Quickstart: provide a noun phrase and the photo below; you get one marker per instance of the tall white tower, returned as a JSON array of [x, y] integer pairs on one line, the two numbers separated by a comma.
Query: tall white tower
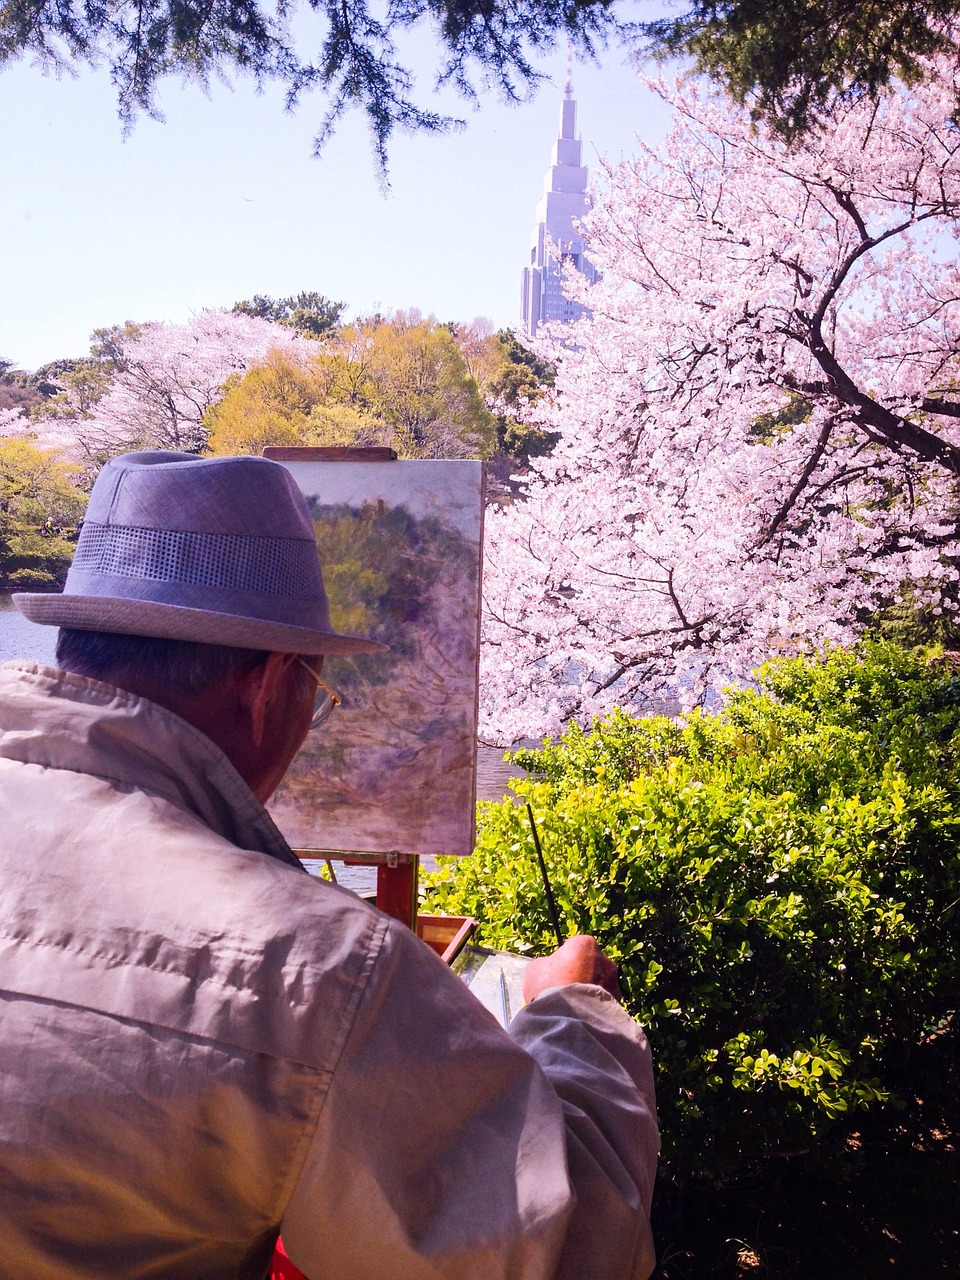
[[564, 199]]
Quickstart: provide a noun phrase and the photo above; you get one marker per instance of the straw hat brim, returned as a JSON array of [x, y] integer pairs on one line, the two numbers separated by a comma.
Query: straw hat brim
[[174, 622]]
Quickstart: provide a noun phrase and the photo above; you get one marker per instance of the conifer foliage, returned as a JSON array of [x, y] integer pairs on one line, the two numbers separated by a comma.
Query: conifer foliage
[[348, 49]]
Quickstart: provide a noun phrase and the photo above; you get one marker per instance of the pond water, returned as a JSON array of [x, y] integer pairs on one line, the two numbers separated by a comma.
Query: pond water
[[20, 638]]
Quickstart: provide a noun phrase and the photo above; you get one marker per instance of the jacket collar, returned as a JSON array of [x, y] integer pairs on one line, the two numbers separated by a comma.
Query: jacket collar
[[59, 720]]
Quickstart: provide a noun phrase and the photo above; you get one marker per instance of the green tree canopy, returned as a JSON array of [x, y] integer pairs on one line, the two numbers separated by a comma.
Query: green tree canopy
[[401, 382], [420, 384], [312, 314], [517, 383], [39, 509]]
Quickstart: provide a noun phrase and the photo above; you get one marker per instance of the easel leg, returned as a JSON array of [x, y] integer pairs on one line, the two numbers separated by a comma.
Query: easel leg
[[397, 889]]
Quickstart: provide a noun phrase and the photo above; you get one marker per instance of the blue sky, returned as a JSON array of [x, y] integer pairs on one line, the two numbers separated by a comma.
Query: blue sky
[[224, 200]]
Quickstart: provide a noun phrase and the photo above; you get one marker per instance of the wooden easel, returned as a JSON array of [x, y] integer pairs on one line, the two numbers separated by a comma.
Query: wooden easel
[[397, 873]]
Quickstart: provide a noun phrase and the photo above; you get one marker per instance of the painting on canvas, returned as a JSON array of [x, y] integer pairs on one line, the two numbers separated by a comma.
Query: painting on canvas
[[394, 768]]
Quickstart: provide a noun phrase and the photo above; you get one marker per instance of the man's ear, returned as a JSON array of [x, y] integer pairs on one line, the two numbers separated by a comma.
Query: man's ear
[[258, 688]]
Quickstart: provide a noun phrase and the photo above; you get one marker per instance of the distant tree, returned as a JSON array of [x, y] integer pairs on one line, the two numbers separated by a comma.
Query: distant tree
[[483, 45], [520, 379], [82, 387], [535, 370], [16, 389], [109, 344], [511, 378], [40, 505], [345, 425], [401, 383], [73, 387], [46, 380], [67, 390], [311, 314], [479, 347], [54, 370], [285, 402], [420, 384]]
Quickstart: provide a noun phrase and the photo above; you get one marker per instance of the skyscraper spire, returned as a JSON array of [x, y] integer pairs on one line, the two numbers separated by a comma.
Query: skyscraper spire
[[564, 199]]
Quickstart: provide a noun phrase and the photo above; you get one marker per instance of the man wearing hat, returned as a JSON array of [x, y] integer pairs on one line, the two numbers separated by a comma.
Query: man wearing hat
[[201, 1045]]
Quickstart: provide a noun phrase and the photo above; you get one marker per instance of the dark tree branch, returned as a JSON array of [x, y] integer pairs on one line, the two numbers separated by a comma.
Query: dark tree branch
[[895, 431], [946, 408], [802, 481]]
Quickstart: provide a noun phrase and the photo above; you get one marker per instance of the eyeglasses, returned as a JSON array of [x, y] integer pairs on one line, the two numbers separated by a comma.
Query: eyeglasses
[[325, 700]]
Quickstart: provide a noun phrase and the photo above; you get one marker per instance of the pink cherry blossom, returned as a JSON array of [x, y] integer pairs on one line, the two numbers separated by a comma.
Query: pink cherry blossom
[[760, 424], [169, 376], [14, 422]]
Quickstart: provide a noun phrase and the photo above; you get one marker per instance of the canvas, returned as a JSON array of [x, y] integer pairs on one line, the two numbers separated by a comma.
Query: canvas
[[394, 769]]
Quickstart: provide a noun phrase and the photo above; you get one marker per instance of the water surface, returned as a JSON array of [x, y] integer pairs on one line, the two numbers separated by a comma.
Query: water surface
[[20, 638]]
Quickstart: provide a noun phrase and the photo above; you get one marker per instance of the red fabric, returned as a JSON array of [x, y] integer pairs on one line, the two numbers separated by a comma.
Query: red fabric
[[281, 1268]]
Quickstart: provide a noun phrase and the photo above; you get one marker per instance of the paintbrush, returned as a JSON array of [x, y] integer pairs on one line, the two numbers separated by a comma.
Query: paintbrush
[[554, 914]]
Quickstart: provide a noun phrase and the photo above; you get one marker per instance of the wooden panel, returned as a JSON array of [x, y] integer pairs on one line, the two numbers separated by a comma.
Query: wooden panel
[[328, 453], [397, 890], [447, 935]]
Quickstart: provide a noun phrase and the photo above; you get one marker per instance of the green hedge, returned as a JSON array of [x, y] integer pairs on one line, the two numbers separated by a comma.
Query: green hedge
[[778, 882]]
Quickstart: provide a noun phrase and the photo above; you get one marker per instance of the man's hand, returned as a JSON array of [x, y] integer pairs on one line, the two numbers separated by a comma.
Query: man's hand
[[578, 960]]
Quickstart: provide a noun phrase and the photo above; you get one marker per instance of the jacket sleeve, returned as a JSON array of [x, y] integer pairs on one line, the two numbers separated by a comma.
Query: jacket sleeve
[[598, 1061], [441, 1150]]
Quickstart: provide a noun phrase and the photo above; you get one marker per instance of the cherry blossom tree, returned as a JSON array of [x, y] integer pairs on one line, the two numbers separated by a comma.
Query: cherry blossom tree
[[13, 421], [759, 428], [167, 376]]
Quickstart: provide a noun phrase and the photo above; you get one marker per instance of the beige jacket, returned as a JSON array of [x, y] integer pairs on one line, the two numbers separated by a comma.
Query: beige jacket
[[200, 1045]]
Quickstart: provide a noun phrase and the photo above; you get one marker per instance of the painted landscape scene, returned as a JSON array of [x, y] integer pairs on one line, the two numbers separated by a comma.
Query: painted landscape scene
[[395, 767]]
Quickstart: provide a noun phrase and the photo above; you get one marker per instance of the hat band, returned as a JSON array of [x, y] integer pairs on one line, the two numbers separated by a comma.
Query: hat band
[[268, 566]]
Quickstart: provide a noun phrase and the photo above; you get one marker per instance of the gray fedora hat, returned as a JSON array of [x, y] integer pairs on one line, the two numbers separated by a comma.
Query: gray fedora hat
[[215, 550]]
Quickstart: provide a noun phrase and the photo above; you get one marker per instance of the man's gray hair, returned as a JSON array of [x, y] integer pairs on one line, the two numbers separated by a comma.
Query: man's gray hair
[[184, 668]]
